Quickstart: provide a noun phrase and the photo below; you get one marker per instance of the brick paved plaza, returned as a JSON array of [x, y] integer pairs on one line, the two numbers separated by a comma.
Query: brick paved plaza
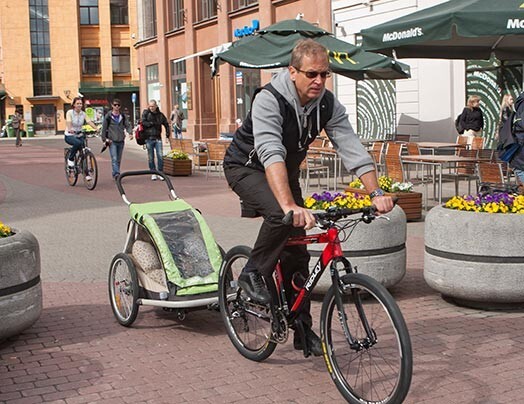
[[77, 352]]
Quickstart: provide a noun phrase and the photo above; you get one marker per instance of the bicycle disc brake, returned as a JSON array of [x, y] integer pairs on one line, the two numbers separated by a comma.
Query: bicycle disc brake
[[279, 327]]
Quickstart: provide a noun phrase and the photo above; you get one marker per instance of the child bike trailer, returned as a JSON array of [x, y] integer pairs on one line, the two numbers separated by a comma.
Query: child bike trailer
[[170, 258]]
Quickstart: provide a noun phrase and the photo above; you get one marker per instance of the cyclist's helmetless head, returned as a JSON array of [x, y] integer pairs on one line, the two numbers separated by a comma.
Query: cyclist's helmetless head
[[309, 69], [77, 103]]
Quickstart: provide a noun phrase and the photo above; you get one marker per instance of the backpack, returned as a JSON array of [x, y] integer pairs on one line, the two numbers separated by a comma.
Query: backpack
[[140, 135], [458, 126]]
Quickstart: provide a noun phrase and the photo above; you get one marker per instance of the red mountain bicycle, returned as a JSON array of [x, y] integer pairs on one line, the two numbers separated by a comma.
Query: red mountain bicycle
[[365, 340]]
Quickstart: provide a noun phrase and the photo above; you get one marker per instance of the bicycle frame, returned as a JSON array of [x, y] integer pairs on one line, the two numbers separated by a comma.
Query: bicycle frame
[[333, 254]]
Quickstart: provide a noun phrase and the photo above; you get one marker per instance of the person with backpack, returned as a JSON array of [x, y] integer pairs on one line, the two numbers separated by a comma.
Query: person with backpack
[[152, 121], [114, 129], [262, 166], [472, 119]]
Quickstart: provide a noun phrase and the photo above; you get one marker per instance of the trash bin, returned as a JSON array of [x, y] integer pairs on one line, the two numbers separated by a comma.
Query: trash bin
[[30, 129], [9, 127]]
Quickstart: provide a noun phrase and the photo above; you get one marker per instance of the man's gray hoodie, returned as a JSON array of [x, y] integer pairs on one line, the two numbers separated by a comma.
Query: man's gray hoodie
[[267, 127]]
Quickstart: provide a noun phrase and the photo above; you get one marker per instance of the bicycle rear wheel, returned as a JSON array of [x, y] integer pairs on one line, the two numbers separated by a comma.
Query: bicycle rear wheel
[[248, 324], [90, 169], [70, 172], [377, 368]]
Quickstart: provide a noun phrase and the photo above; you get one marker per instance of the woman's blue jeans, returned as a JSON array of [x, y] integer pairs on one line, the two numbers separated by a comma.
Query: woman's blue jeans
[[116, 149], [76, 144], [155, 145]]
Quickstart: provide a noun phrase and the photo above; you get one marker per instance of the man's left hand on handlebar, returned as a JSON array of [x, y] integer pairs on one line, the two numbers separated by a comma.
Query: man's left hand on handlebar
[[383, 203]]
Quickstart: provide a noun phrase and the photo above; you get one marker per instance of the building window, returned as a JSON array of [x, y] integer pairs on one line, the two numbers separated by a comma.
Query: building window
[[207, 9], [90, 60], [88, 12], [152, 83], [40, 49], [119, 12], [149, 18], [177, 14], [121, 60], [238, 4], [247, 81], [179, 85]]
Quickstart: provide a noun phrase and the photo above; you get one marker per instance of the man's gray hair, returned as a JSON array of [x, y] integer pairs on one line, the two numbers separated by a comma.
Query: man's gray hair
[[307, 47]]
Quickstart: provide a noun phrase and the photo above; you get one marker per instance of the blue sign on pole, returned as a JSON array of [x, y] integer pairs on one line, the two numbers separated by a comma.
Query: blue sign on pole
[[133, 98], [240, 32]]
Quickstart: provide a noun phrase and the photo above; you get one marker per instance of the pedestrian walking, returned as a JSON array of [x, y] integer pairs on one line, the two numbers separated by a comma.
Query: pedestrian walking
[[152, 121], [177, 116], [506, 108], [114, 129], [16, 121]]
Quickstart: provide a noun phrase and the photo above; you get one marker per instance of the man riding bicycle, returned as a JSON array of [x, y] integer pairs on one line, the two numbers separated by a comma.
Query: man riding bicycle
[[75, 119], [262, 165]]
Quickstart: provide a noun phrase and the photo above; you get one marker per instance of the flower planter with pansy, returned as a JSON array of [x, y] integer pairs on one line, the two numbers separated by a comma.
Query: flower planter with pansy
[[20, 287], [474, 254], [409, 200]]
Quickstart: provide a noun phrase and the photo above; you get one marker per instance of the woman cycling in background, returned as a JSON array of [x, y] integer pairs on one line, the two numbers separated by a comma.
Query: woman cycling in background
[[75, 119]]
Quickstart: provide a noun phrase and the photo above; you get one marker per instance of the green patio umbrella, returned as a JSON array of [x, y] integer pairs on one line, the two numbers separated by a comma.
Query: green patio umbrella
[[465, 29], [271, 48]]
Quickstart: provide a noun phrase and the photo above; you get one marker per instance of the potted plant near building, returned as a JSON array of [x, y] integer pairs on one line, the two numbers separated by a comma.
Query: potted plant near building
[[20, 287], [409, 200], [177, 163]]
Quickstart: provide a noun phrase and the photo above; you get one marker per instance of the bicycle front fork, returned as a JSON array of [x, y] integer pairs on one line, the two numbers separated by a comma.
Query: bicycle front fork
[[339, 290]]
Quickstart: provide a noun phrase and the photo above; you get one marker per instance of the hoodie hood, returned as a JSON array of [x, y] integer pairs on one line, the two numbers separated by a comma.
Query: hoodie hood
[[284, 85]]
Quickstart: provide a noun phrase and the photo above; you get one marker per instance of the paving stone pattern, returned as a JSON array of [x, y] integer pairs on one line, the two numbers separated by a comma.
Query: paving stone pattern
[[78, 353]]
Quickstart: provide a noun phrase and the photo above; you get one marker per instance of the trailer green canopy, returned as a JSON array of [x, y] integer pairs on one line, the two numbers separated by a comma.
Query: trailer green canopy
[[271, 48], [466, 29]]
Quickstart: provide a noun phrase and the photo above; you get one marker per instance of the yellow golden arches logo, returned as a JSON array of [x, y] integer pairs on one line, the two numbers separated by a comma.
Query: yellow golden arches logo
[[339, 56]]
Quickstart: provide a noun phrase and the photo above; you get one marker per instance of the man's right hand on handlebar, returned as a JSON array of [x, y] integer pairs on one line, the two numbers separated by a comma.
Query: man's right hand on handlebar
[[302, 217], [383, 203]]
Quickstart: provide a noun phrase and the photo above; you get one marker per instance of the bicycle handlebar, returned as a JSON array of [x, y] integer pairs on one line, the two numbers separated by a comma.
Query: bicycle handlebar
[[335, 213]]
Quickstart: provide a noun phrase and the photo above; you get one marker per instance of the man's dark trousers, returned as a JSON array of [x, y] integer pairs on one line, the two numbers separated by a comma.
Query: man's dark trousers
[[253, 189]]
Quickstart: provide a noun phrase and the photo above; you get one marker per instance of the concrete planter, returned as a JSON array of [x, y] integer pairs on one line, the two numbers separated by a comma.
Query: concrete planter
[[476, 259], [20, 287], [377, 249]]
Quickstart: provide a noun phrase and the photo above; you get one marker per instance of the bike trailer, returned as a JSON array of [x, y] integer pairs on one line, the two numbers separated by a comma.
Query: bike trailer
[[185, 259]]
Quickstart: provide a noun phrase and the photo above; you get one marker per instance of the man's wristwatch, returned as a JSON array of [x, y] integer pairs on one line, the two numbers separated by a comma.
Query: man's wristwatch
[[376, 192]]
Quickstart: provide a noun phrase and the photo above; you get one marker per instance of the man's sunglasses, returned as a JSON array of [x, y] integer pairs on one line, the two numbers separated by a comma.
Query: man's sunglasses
[[116, 105], [312, 74]]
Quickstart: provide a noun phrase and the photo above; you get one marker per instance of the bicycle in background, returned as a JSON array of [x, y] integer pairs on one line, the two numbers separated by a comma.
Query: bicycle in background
[[85, 163], [365, 341]]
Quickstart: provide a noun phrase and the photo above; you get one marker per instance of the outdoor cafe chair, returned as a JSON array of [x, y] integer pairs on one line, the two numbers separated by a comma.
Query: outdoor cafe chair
[[463, 170], [310, 166], [376, 152], [491, 177], [477, 143], [215, 156]]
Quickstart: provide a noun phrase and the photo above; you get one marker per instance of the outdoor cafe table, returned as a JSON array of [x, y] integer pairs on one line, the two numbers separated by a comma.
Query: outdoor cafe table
[[439, 162], [439, 145]]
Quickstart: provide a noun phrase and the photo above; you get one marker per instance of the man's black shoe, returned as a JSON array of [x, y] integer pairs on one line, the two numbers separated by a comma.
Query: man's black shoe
[[312, 340], [254, 286]]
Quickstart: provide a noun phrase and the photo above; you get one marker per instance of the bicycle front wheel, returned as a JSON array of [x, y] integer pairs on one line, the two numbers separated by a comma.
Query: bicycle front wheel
[[90, 170], [70, 172], [367, 366], [248, 323]]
